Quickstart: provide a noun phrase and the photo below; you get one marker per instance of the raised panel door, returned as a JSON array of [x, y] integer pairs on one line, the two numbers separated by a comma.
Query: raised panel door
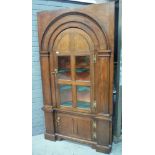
[[74, 126]]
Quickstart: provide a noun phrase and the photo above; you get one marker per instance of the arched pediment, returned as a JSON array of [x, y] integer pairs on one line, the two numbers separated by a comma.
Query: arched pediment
[[74, 20]]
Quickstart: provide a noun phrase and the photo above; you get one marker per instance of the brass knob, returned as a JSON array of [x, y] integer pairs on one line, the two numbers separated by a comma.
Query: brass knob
[[55, 71], [94, 135], [58, 120], [94, 105], [94, 124]]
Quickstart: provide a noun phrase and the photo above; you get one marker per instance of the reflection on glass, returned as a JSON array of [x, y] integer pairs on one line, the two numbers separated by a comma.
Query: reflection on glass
[[83, 97], [65, 95], [83, 68], [64, 67]]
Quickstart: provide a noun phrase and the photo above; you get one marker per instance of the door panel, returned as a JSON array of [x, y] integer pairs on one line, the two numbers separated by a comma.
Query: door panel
[[74, 126], [83, 68], [73, 40], [83, 128], [65, 92], [83, 97], [64, 67], [64, 124]]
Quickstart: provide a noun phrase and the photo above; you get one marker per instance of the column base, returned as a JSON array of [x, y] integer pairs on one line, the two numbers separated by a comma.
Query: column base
[[50, 136], [101, 148]]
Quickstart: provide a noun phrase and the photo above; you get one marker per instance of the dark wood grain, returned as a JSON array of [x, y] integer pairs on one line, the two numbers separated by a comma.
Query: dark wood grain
[[87, 31]]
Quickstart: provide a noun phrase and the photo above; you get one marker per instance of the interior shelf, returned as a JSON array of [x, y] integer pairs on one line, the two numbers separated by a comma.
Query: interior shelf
[[78, 70], [80, 104], [83, 105], [81, 70], [65, 87], [64, 70], [79, 88], [83, 88], [67, 103]]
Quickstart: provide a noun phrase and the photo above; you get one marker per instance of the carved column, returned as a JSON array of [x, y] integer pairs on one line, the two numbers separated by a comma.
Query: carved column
[[45, 71]]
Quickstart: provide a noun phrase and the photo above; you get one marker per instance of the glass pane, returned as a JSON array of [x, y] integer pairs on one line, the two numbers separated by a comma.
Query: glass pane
[[83, 97], [64, 67], [65, 95], [82, 68]]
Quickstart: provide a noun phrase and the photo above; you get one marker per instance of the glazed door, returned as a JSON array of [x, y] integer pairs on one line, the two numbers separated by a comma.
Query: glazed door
[[73, 53]]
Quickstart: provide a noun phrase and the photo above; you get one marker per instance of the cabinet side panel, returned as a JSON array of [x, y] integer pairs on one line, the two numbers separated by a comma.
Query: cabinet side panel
[[103, 85], [49, 123], [102, 132], [47, 93], [111, 39], [45, 79]]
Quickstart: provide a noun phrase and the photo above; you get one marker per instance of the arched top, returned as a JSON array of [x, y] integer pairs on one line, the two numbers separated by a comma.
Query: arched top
[[80, 20], [73, 39]]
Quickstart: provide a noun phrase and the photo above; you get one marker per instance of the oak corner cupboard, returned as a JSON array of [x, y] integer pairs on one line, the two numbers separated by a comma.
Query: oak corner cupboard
[[76, 55]]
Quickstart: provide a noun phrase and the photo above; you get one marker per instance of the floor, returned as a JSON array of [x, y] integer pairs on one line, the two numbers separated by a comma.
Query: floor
[[40, 146]]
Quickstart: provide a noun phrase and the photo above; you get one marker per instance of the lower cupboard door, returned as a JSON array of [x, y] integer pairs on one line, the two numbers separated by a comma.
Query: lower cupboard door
[[83, 128], [74, 126], [64, 124]]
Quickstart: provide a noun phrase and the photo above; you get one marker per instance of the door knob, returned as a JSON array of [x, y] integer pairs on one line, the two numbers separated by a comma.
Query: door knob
[[55, 71], [94, 124], [58, 120], [94, 135]]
